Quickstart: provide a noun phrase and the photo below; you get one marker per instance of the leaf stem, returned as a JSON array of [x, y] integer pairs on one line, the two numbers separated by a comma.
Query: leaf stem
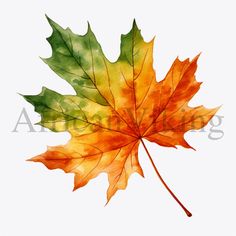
[[188, 213]]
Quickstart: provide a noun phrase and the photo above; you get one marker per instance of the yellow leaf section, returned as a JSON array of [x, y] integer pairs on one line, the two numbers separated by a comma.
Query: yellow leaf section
[[75, 114], [125, 83]]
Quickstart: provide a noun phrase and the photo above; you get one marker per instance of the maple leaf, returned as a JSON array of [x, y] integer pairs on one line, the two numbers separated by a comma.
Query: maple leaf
[[116, 106]]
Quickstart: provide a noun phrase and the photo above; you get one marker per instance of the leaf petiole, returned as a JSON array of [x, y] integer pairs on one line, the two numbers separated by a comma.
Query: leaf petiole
[[188, 213]]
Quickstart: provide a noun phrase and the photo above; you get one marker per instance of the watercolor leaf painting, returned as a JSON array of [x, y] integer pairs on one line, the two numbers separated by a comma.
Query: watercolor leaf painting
[[117, 105]]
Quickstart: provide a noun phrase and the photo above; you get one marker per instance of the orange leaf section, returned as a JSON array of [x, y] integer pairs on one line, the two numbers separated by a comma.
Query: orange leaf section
[[89, 155], [166, 113]]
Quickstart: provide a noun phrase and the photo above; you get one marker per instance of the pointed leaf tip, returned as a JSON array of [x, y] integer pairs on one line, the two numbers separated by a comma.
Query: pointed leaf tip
[[135, 26], [48, 19], [22, 95], [88, 27], [195, 59], [44, 59], [52, 23]]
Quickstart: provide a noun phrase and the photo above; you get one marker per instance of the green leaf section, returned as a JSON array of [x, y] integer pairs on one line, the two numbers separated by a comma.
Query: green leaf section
[[129, 45], [67, 112], [77, 59], [73, 60]]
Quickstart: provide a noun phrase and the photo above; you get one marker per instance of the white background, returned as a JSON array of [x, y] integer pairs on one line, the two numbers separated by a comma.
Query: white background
[[35, 201]]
